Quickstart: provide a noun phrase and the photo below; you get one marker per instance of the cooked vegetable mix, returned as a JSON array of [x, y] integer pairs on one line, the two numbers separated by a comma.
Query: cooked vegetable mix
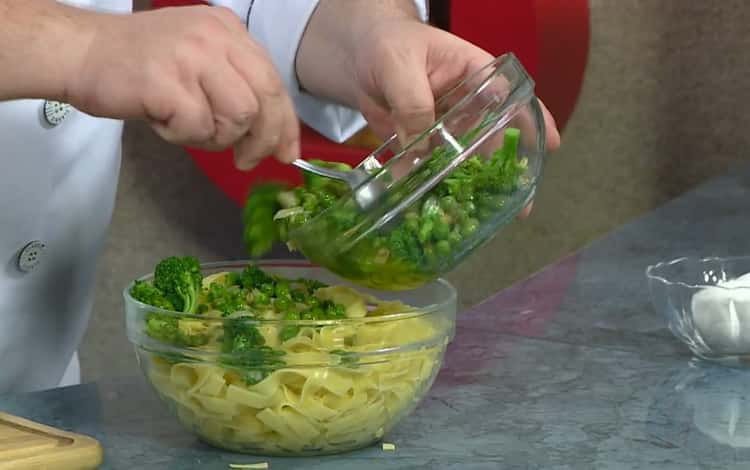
[[405, 252]]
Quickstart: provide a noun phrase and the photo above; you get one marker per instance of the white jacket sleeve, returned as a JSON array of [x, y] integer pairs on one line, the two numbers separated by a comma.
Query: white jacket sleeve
[[278, 25]]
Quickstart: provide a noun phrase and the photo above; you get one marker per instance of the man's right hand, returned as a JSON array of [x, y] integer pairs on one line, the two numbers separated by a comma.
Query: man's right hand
[[194, 73]]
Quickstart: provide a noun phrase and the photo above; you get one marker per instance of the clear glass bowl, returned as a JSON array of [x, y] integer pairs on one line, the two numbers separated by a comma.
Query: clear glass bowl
[[448, 192], [706, 303], [340, 385]]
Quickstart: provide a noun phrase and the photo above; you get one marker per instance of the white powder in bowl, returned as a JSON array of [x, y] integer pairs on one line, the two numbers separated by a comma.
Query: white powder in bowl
[[721, 315]]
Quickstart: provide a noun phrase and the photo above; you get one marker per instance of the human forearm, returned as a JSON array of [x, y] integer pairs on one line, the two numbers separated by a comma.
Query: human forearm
[[43, 42], [325, 58]]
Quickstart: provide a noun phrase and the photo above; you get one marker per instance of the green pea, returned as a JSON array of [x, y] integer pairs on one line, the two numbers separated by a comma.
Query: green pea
[[412, 224], [469, 227], [449, 204], [281, 290], [261, 298], [283, 304], [326, 199], [310, 202], [297, 220], [455, 237], [441, 229], [443, 248], [469, 207]]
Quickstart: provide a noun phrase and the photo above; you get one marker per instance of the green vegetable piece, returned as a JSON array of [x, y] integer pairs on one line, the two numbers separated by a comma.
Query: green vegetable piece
[[405, 246], [425, 230], [162, 327], [146, 293], [469, 207], [429, 255], [179, 278], [281, 290], [261, 299], [412, 222], [283, 303], [260, 231], [168, 328], [442, 248], [431, 208], [469, 227], [253, 277], [227, 299], [441, 229], [449, 204], [299, 295], [455, 238], [289, 331], [346, 358], [510, 142]]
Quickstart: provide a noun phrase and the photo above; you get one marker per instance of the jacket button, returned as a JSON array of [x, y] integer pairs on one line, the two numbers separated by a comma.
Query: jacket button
[[30, 255], [54, 112]]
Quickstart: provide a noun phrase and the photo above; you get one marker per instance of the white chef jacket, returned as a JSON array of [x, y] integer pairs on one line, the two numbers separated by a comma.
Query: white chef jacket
[[58, 177]]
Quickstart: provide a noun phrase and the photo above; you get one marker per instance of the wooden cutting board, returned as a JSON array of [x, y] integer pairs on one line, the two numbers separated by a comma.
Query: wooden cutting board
[[26, 445]]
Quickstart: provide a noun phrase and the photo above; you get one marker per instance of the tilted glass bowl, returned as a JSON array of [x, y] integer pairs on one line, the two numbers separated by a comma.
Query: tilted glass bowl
[[706, 303], [447, 192], [336, 386]]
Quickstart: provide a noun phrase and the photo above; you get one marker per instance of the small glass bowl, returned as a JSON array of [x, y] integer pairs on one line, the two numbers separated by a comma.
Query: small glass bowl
[[448, 191], [706, 303], [340, 385]]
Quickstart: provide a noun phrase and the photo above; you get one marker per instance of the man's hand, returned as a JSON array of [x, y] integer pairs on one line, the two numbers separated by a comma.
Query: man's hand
[[388, 64], [193, 73]]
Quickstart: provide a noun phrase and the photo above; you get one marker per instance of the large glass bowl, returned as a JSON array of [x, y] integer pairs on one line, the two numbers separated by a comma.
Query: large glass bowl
[[448, 191], [706, 303], [362, 376]]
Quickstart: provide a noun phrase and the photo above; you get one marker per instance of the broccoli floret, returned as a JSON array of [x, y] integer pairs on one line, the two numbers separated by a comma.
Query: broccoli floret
[[179, 278], [179, 332], [192, 332], [311, 284], [253, 277], [162, 327], [145, 292], [405, 245], [240, 335], [245, 349]]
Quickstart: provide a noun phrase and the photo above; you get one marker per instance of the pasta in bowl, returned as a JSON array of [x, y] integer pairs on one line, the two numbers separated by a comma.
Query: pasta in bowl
[[283, 358]]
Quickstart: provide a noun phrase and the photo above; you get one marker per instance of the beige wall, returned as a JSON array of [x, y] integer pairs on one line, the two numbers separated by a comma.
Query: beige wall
[[663, 108]]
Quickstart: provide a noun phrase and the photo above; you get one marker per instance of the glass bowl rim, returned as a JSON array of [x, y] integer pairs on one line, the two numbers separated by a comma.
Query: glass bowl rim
[[652, 270], [414, 312]]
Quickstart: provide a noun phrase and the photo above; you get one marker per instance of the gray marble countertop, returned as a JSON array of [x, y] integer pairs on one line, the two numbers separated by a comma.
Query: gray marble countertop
[[570, 369]]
